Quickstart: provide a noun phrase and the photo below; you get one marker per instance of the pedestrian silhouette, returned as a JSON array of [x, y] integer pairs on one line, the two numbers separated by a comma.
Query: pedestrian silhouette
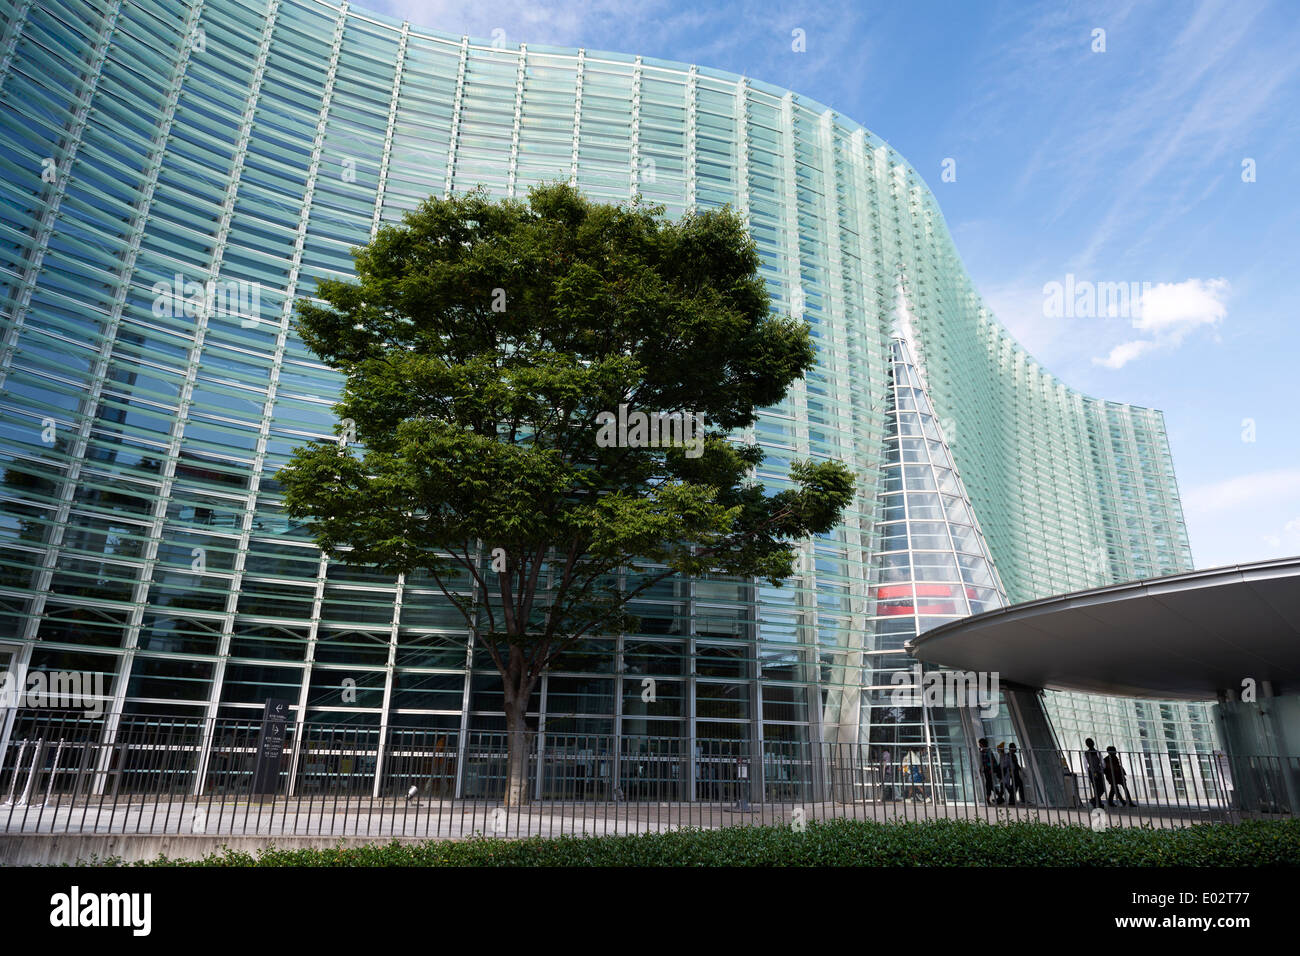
[[1017, 779], [990, 771], [1115, 776], [1096, 773], [1006, 773]]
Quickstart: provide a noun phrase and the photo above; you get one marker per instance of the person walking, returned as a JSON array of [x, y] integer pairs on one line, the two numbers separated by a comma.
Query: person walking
[[1005, 773], [1116, 776], [1017, 775], [990, 771], [914, 777], [1096, 773]]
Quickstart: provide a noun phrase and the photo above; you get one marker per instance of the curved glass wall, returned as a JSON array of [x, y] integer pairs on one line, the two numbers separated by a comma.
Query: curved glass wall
[[176, 173]]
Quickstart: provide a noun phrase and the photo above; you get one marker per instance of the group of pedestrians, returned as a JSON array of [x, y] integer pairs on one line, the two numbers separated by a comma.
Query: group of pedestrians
[[1004, 775], [1004, 778], [1103, 771]]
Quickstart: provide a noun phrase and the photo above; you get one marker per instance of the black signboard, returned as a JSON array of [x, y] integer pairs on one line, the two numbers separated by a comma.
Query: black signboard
[[270, 745]]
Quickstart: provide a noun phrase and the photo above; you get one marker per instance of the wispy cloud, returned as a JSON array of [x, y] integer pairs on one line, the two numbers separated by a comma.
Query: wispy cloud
[[1167, 312], [1124, 353], [729, 35], [1261, 487], [1149, 110], [1248, 517]]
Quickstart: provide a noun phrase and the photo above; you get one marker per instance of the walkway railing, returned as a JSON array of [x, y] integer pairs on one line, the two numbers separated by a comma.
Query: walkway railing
[[66, 773]]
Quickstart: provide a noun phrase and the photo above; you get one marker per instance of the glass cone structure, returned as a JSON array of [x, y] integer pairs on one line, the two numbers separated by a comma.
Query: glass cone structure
[[176, 173], [931, 566]]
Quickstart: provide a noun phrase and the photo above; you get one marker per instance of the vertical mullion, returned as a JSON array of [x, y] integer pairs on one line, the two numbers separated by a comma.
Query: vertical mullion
[[223, 232], [512, 170], [168, 471], [577, 118], [386, 158], [11, 41], [77, 448], [691, 146], [462, 738], [384, 721], [742, 150], [455, 116], [634, 176], [309, 658], [277, 362], [833, 214], [806, 592], [50, 214]]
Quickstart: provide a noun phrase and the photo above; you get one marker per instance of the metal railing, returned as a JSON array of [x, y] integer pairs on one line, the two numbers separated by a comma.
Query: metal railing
[[66, 773]]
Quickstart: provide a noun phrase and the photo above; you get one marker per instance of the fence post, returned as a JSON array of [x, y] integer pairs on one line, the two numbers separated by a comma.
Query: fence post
[[14, 771], [54, 771], [108, 735], [295, 756], [7, 718], [462, 750], [381, 752], [207, 734], [38, 752], [539, 773]]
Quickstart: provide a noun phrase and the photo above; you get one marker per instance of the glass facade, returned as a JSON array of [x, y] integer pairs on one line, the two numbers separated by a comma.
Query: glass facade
[[175, 173]]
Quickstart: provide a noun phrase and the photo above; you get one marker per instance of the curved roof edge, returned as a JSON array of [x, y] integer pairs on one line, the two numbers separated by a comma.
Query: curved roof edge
[[1181, 636]]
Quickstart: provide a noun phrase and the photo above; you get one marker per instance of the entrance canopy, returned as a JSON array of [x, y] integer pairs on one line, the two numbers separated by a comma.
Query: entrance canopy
[[1184, 636]]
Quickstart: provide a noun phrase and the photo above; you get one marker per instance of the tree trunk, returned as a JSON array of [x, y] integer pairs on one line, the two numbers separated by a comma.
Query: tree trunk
[[517, 784]]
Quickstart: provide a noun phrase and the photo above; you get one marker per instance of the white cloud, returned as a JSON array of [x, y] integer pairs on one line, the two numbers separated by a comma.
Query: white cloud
[[1167, 312], [1124, 353], [1175, 308]]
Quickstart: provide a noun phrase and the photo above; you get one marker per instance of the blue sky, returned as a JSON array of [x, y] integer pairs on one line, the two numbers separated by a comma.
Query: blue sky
[[1168, 159]]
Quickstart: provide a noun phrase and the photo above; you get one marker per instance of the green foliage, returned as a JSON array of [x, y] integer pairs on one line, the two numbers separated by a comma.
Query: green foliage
[[482, 340], [835, 843]]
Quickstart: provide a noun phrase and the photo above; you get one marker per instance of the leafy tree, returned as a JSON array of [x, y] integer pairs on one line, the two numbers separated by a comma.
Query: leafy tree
[[481, 343]]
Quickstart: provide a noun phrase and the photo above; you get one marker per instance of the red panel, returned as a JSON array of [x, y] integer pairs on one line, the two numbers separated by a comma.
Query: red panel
[[887, 591], [936, 609], [934, 590]]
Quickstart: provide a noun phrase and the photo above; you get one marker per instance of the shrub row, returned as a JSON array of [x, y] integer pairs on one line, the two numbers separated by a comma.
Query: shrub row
[[834, 843]]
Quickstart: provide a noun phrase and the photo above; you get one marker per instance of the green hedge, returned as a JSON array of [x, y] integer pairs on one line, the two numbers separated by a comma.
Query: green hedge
[[836, 843]]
